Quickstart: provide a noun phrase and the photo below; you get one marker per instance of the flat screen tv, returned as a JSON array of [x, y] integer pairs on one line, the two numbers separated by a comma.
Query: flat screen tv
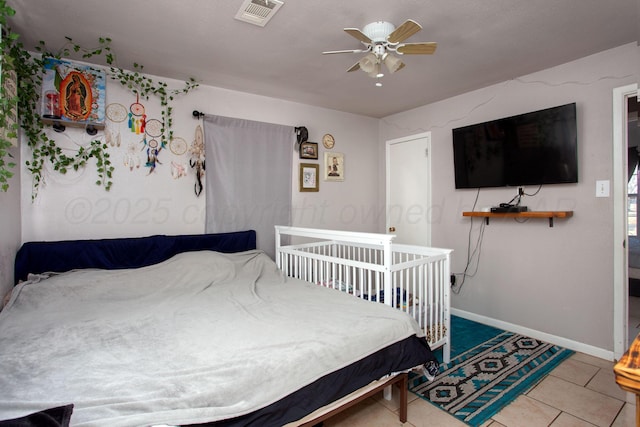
[[528, 149]]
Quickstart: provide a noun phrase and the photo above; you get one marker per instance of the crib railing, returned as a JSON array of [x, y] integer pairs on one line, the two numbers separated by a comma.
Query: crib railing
[[413, 279]]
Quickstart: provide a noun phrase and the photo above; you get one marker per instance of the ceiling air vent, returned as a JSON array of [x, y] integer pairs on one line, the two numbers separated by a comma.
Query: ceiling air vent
[[258, 12]]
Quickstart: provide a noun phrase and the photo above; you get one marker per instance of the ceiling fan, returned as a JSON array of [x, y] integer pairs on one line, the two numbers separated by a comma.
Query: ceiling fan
[[381, 39]]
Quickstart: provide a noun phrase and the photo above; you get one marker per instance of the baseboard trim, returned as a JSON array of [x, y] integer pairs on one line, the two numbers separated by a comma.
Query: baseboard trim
[[553, 339]]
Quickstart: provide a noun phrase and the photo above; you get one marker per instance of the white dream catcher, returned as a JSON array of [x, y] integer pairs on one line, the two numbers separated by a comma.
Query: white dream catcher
[[178, 146], [131, 157], [197, 146], [153, 128], [197, 160], [116, 113]]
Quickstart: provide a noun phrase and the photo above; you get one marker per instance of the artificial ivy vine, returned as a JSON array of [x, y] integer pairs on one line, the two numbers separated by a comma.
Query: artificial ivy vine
[[28, 69], [7, 103]]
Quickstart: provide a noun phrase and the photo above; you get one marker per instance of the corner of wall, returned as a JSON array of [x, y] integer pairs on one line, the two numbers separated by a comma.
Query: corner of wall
[[10, 226]]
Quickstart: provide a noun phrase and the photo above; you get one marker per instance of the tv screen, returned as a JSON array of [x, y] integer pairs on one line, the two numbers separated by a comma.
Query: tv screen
[[529, 149]]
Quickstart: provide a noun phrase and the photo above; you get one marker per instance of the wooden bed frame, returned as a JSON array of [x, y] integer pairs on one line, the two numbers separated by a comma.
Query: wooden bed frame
[[328, 411]]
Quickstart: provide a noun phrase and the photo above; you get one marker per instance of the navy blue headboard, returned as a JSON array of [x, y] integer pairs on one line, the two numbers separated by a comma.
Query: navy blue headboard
[[128, 252]]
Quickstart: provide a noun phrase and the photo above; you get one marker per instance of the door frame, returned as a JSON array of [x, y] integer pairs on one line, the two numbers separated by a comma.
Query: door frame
[[388, 144], [620, 256]]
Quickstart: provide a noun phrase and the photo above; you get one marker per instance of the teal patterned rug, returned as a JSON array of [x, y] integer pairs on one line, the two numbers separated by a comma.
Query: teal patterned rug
[[489, 368]]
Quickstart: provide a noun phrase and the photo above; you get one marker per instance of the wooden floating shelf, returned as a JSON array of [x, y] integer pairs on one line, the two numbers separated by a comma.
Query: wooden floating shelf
[[529, 214]]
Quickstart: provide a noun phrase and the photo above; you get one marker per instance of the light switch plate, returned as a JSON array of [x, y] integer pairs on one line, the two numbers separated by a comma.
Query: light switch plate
[[602, 188]]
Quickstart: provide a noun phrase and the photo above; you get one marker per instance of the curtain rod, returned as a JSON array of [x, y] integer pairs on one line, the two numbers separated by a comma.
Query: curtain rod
[[301, 132]]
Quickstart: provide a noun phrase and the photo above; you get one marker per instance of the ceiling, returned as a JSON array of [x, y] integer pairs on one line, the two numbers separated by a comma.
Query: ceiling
[[479, 43]]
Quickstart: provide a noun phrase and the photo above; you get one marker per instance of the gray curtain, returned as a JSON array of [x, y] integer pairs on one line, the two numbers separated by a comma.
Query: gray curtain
[[248, 177]]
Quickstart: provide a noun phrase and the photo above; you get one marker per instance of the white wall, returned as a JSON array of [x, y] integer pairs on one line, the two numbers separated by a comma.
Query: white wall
[[71, 206], [559, 280]]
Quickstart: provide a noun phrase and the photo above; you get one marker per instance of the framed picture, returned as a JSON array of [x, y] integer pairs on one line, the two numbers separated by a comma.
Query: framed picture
[[309, 150], [73, 94], [309, 180], [333, 166]]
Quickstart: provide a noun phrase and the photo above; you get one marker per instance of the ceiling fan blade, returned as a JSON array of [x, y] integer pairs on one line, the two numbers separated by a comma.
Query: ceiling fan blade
[[343, 51], [354, 32], [425, 48], [354, 67], [404, 31]]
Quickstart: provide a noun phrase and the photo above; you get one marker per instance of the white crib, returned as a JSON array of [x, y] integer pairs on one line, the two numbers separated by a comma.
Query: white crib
[[370, 266]]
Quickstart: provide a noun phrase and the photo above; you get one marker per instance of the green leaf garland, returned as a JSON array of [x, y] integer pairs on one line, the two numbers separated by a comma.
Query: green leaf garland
[[28, 69]]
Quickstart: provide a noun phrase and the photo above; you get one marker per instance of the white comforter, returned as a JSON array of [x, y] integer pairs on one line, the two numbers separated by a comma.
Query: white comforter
[[202, 336]]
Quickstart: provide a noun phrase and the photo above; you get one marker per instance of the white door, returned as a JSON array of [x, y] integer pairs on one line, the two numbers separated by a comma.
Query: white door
[[408, 213], [620, 255]]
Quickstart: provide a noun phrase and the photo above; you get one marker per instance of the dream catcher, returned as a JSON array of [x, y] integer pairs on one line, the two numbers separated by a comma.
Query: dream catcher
[[131, 157], [116, 113], [178, 146], [197, 146], [137, 117], [178, 170], [153, 129], [153, 149], [197, 160]]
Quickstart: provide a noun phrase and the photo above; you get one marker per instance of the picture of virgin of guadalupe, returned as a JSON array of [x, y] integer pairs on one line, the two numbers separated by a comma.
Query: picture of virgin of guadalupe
[[75, 96]]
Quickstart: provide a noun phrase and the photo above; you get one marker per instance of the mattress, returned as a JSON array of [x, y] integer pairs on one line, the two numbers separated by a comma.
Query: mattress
[[201, 338]]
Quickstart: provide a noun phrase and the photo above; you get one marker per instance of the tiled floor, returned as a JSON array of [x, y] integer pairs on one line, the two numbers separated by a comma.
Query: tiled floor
[[580, 392]]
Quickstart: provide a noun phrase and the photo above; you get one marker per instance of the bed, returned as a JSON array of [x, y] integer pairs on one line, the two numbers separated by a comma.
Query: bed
[[189, 330]]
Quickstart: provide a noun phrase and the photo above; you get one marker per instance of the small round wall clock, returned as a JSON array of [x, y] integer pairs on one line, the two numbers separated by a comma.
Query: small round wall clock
[[328, 141]]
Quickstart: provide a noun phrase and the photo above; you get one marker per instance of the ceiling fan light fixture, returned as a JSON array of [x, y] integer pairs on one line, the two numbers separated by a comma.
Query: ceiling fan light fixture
[[392, 63], [379, 30], [376, 73], [368, 63], [382, 42]]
